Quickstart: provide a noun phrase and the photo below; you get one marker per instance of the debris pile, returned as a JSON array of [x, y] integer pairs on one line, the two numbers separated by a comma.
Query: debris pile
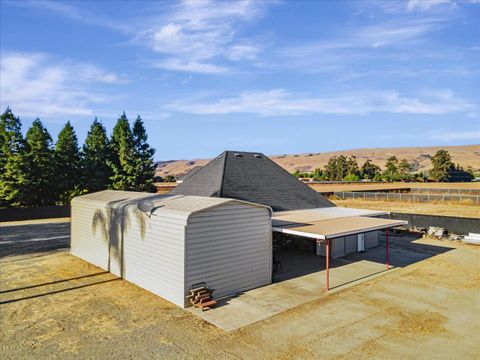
[[472, 238], [437, 232]]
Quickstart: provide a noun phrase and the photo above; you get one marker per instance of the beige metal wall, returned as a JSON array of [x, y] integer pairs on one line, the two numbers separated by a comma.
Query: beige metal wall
[[153, 254], [230, 248], [89, 237]]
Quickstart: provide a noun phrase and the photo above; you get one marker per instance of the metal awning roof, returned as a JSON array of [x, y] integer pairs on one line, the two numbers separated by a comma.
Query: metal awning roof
[[308, 215], [330, 223], [328, 229]]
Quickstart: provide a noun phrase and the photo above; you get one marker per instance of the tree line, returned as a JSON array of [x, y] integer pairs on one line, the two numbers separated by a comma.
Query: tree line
[[342, 168], [35, 171]]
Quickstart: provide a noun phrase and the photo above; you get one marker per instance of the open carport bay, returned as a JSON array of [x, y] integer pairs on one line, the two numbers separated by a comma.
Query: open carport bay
[[55, 305], [300, 278]]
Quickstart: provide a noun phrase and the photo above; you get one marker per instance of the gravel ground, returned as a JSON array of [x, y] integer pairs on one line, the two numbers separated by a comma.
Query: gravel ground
[[53, 305]]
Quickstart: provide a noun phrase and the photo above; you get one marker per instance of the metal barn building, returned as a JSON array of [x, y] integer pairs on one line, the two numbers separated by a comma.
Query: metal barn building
[[300, 213], [185, 240]]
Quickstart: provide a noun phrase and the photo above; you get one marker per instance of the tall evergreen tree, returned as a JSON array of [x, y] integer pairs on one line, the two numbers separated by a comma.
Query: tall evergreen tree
[[39, 182], [331, 168], [352, 166], [404, 168], [370, 170], [12, 165], [122, 161], [67, 164], [442, 166], [95, 155], [391, 169], [145, 167], [341, 167]]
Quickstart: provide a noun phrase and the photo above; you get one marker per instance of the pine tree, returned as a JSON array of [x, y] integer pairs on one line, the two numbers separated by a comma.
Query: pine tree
[[391, 171], [39, 182], [145, 167], [67, 164], [370, 170], [331, 168], [95, 152], [404, 168], [122, 161], [442, 166], [352, 166], [341, 168], [12, 165]]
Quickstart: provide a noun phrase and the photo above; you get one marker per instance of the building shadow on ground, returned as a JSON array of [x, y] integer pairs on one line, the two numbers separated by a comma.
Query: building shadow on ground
[[33, 238]]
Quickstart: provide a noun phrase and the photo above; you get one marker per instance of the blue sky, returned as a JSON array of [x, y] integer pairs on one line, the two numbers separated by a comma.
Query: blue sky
[[276, 77]]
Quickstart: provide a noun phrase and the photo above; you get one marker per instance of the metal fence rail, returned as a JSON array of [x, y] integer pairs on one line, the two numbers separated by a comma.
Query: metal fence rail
[[453, 224], [445, 191], [41, 212], [460, 198]]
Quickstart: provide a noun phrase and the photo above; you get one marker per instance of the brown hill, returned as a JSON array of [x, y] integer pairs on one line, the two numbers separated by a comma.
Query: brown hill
[[467, 155]]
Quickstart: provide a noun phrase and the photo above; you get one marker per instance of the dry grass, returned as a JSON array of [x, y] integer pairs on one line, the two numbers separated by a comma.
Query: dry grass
[[468, 155], [394, 185], [443, 208]]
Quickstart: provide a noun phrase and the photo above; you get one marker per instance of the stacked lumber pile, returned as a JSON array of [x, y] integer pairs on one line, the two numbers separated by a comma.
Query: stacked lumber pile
[[201, 296]]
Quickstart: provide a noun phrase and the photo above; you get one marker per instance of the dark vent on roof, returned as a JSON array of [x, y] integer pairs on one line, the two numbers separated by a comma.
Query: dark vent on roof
[[257, 156], [238, 155]]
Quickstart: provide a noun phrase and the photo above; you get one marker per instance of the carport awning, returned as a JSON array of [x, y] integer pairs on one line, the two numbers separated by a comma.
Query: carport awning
[[332, 228]]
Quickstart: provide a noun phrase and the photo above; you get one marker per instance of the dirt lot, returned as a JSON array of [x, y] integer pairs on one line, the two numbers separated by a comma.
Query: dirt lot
[[411, 207], [53, 305]]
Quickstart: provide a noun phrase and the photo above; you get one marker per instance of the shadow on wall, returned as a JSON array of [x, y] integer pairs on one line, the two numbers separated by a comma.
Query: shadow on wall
[[114, 222]]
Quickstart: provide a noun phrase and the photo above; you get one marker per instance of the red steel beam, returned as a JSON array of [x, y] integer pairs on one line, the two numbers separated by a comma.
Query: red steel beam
[[327, 260], [386, 248]]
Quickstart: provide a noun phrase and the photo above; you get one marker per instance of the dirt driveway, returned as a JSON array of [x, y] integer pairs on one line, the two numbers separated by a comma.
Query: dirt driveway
[[53, 305]]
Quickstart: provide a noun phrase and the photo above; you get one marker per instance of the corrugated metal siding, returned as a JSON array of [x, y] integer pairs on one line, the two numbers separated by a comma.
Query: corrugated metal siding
[[455, 225], [229, 247], [154, 254], [351, 244], [229, 244], [338, 248], [89, 239], [371, 239]]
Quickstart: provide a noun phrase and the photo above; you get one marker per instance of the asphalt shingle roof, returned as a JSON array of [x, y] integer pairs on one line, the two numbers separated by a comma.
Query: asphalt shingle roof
[[251, 177]]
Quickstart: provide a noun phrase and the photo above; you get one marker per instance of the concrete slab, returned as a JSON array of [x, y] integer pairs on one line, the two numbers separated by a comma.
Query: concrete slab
[[294, 288]]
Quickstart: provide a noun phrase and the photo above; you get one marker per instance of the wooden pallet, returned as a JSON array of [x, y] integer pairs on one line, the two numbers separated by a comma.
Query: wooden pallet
[[201, 296]]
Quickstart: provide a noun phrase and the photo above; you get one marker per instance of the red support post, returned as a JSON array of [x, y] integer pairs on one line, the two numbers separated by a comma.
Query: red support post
[[327, 260], [386, 249]]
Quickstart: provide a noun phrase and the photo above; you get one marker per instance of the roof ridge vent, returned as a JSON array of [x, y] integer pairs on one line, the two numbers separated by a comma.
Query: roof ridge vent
[[257, 155], [238, 155]]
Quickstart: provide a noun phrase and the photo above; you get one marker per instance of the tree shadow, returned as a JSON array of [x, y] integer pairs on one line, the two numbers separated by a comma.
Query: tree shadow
[[114, 221], [57, 291], [53, 282]]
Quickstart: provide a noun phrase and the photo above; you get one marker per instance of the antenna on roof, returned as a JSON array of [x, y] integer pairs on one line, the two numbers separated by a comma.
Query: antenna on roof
[[146, 206]]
